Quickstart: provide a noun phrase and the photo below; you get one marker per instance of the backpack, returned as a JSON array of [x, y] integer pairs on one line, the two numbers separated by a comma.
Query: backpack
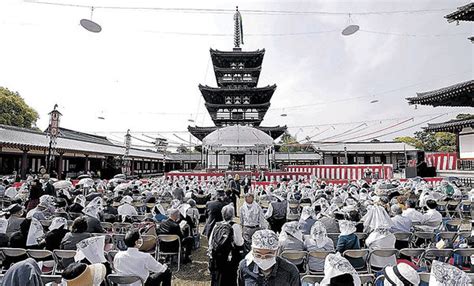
[[222, 240]]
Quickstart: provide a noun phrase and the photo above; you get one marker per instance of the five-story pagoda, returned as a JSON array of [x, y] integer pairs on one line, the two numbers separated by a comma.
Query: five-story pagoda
[[237, 100]]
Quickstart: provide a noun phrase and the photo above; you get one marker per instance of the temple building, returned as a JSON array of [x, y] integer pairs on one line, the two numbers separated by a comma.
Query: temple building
[[463, 13], [237, 100]]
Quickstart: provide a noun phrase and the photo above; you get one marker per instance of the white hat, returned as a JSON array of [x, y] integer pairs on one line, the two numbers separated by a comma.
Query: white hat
[[400, 275]]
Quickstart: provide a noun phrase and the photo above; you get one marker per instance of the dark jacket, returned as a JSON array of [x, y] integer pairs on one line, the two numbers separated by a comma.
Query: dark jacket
[[350, 241], [93, 225], [169, 226], [54, 237], [214, 214], [283, 274]]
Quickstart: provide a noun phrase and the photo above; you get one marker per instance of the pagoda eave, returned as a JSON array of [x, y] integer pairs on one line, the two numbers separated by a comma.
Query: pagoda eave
[[461, 94], [464, 13], [201, 132], [450, 126]]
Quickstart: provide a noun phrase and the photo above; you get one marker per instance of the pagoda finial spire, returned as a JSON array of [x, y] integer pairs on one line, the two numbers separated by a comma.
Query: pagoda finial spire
[[238, 30]]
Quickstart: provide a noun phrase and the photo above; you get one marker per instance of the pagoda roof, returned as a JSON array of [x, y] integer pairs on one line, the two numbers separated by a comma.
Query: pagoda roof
[[463, 13], [201, 132], [216, 95], [251, 59], [214, 106], [454, 125], [460, 94]]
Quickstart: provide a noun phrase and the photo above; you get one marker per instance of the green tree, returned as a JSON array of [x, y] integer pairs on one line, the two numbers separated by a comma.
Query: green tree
[[431, 141], [182, 149], [14, 110], [288, 143]]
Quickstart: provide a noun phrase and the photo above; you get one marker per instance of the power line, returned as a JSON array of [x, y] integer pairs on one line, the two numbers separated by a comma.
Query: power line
[[247, 11]]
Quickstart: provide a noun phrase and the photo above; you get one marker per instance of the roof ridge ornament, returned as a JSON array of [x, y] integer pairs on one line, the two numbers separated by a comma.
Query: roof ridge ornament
[[238, 29]]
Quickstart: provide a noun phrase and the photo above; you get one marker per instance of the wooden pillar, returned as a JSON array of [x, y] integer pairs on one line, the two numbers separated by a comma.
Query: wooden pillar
[[86, 164], [217, 160], [60, 166], [24, 163]]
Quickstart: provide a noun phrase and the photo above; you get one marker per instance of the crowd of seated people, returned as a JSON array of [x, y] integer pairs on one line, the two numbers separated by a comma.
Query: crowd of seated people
[[310, 228]]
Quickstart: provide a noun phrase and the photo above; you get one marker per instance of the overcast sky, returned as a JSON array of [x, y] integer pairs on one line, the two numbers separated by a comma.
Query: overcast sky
[[142, 71]]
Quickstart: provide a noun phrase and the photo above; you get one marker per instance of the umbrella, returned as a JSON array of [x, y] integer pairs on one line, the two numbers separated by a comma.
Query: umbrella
[[62, 185], [121, 187], [83, 176], [120, 176], [86, 182]]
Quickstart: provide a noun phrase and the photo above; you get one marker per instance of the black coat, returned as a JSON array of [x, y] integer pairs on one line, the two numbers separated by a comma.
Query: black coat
[[169, 226], [214, 214]]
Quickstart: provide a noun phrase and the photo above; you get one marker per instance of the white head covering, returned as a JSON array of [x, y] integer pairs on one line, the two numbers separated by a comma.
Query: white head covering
[[393, 273], [265, 239], [57, 223], [446, 274], [160, 209], [307, 212], [35, 232], [376, 216], [81, 200], [336, 265], [126, 200], [319, 234], [94, 208], [291, 228], [347, 227], [91, 248]]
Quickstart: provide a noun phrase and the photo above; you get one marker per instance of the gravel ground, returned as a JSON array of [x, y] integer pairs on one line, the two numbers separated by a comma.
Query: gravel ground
[[195, 273]]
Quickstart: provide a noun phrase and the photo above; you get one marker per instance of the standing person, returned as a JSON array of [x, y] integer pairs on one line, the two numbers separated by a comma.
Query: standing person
[[225, 249], [276, 213], [247, 184], [49, 189], [234, 185], [36, 191], [261, 266], [134, 262], [213, 214], [251, 219]]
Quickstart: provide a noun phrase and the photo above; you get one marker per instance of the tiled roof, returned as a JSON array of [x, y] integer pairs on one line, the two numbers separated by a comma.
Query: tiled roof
[[450, 126], [463, 13], [460, 94], [30, 139]]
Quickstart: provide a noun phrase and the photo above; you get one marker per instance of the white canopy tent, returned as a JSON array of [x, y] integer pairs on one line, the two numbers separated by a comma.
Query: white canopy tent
[[237, 142]]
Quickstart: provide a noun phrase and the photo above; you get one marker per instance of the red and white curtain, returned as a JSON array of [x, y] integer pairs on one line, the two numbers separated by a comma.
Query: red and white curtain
[[442, 161], [344, 172]]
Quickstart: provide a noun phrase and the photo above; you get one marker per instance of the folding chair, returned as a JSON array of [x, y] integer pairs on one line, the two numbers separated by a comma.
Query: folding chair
[[118, 241], [367, 279], [13, 253], [356, 254], [414, 253], [311, 279], [167, 238], [383, 252], [55, 279], [297, 257], [453, 210], [442, 208], [465, 253], [403, 236], [293, 213], [334, 237], [107, 226], [317, 255], [41, 255], [436, 254], [61, 258], [149, 245], [465, 208], [453, 225], [424, 277], [121, 227], [110, 255], [116, 279], [427, 237], [448, 235]]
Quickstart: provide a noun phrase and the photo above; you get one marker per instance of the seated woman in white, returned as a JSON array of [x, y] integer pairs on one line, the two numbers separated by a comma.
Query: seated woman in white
[[318, 241]]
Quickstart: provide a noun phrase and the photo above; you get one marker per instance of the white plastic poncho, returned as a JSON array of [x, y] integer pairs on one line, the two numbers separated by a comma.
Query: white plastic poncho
[[319, 234], [446, 274], [35, 232], [375, 217], [336, 265], [290, 228], [57, 223], [94, 208], [91, 248]]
